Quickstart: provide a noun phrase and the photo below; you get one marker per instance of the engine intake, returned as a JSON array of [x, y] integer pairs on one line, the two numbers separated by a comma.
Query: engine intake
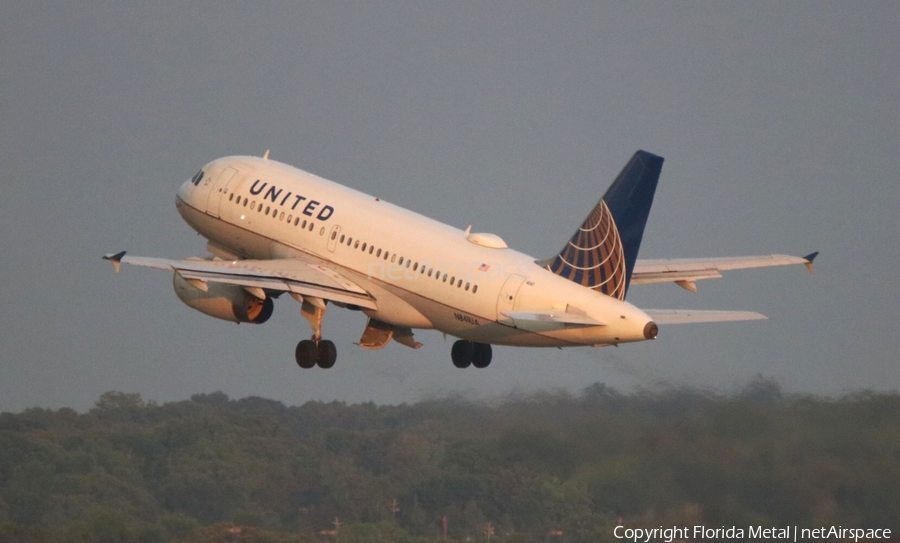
[[226, 302]]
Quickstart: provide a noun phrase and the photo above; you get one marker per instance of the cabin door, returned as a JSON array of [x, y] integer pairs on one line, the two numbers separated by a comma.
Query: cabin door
[[219, 190]]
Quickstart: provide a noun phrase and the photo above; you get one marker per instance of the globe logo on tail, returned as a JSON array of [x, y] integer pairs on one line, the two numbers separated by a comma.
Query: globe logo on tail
[[594, 257]]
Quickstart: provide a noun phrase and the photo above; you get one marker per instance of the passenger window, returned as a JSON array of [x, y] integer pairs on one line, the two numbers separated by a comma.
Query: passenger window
[[267, 210], [378, 253], [474, 289], [281, 218], [322, 231], [245, 202], [231, 198], [253, 205], [260, 208], [371, 249], [304, 223], [415, 266], [311, 226], [467, 287], [401, 260], [363, 247], [342, 238], [333, 236], [452, 279]]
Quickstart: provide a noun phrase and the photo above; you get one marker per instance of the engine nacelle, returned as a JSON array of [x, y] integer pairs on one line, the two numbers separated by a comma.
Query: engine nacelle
[[226, 302]]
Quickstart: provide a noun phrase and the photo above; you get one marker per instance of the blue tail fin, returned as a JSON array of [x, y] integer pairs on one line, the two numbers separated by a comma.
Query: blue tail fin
[[602, 253]]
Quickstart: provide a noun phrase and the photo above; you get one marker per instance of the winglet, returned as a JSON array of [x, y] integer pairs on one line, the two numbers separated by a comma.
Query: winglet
[[116, 259], [809, 260]]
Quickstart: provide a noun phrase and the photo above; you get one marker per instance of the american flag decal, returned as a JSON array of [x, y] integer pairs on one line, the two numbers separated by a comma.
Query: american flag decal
[[594, 257]]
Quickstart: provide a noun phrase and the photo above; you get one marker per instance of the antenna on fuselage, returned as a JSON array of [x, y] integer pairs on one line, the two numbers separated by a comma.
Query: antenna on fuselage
[[266, 156]]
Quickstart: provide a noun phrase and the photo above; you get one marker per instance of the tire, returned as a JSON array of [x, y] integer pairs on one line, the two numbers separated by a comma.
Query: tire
[[306, 354], [327, 354], [461, 353], [481, 355]]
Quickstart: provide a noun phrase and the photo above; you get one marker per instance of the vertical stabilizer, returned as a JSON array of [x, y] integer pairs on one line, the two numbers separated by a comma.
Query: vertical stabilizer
[[602, 252]]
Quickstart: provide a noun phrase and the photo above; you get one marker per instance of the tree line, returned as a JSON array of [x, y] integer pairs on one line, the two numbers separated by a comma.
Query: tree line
[[546, 467]]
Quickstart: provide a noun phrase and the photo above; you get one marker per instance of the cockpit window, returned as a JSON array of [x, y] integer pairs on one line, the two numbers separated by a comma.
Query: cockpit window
[[196, 179]]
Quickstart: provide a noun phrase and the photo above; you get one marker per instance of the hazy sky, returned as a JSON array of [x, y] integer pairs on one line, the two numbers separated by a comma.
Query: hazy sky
[[779, 122]]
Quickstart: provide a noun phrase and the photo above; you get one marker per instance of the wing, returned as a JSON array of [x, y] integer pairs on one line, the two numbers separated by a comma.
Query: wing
[[293, 275], [685, 316], [685, 271]]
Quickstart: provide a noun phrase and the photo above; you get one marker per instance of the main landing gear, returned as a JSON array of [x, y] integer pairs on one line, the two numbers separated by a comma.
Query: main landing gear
[[309, 353], [316, 351], [322, 352], [468, 353]]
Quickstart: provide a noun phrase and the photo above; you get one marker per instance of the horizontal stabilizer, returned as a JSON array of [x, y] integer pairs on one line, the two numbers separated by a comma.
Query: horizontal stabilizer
[[550, 320], [686, 316]]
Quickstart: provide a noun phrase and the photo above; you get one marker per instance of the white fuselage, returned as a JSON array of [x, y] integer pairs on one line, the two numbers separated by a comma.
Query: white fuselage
[[421, 273]]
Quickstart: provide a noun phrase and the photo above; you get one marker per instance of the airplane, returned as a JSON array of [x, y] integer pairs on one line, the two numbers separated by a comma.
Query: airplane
[[275, 229]]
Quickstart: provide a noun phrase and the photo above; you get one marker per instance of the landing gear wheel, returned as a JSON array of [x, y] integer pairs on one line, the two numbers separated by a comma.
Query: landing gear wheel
[[306, 354], [461, 353], [327, 354], [481, 355]]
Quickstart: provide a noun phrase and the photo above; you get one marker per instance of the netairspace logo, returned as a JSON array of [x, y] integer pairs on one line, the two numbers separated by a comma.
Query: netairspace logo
[[787, 533]]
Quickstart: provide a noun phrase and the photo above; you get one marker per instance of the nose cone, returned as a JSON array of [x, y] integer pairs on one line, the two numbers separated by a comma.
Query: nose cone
[[184, 191], [651, 330]]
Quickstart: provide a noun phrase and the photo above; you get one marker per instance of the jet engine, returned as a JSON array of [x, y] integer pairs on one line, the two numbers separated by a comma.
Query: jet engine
[[226, 302]]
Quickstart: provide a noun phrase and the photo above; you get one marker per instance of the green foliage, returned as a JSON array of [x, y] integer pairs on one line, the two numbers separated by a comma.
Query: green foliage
[[255, 470]]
